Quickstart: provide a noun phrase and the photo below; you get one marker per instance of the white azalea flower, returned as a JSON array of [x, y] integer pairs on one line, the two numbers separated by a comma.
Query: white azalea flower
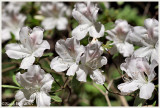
[[119, 36], [54, 15], [86, 15], [11, 23], [91, 61], [14, 7], [36, 85], [32, 45], [141, 74], [147, 38], [69, 52]]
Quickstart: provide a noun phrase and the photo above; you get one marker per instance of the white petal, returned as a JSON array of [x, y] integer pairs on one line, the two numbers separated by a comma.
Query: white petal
[[27, 62], [102, 61], [62, 23], [25, 39], [39, 51], [58, 65], [47, 83], [49, 23], [128, 87], [97, 77], [62, 49], [37, 35], [126, 49], [82, 73], [80, 17], [146, 91], [143, 52], [5, 34], [97, 30], [16, 51], [72, 70], [80, 31], [42, 99], [150, 23]]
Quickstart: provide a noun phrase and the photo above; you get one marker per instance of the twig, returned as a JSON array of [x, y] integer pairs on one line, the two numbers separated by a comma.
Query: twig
[[105, 94], [9, 68]]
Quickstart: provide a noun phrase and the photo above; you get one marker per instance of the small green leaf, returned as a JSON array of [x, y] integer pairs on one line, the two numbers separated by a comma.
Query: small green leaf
[[108, 45], [10, 86], [115, 55], [154, 104], [15, 81], [138, 101], [46, 55], [136, 47], [12, 103], [56, 98]]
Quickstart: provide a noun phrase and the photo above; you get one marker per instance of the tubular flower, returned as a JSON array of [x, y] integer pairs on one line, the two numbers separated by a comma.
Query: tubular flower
[[36, 85], [91, 61], [141, 74], [147, 38], [54, 16], [119, 37], [69, 52], [86, 15], [32, 45]]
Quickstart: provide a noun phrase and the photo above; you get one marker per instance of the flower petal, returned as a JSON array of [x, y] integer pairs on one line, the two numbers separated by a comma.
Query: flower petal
[[128, 87], [82, 73], [72, 70], [16, 51], [143, 52], [22, 99], [39, 51], [42, 99], [27, 62], [62, 23], [49, 23], [97, 77], [126, 49], [80, 17], [58, 64], [80, 31], [97, 30], [47, 83], [146, 91], [37, 35], [25, 39]]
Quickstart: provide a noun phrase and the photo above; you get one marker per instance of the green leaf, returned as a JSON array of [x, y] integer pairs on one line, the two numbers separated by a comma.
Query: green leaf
[[136, 47], [154, 104], [46, 55], [115, 55], [109, 26], [15, 81], [56, 98], [12, 103], [108, 45], [138, 101], [11, 86]]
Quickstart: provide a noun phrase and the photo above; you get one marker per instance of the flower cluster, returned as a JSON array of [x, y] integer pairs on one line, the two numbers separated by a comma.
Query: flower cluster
[[75, 58]]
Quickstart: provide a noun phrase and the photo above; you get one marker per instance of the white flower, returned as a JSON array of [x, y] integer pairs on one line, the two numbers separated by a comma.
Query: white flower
[[69, 52], [91, 61], [13, 7], [36, 85], [54, 15], [11, 23], [32, 45], [141, 74], [119, 37], [86, 15], [147, 38]]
